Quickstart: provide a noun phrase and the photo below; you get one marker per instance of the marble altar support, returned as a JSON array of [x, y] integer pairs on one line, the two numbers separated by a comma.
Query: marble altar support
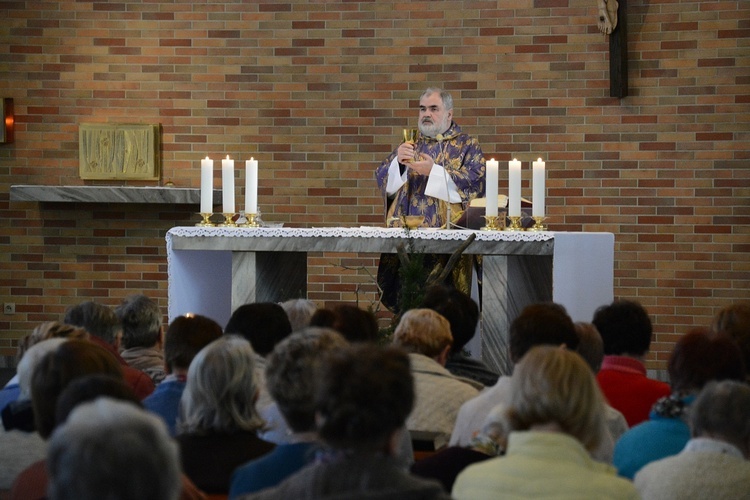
[[212, 271]]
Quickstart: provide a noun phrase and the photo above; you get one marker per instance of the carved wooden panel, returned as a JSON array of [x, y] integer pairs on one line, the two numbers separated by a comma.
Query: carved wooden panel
[[128, 151]]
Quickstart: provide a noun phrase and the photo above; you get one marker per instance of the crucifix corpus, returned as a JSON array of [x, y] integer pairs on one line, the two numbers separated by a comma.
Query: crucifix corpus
[[613, 22]]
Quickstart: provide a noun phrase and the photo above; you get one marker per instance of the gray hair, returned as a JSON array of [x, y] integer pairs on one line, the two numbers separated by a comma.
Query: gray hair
[[445, 96], [221, 389], [141, 321], [299, 311], [292, 373], [722, 411], [113, 449]]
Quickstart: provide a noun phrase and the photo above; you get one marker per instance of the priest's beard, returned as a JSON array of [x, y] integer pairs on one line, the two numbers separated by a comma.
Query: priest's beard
[[429, 128]]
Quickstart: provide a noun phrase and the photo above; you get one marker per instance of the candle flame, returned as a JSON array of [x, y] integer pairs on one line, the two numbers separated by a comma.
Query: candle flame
[[207, 158], [539, 159], [227, 157]]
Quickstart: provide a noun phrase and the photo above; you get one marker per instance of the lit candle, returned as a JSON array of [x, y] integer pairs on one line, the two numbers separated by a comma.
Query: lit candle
[[227, 185], [207, 186], [492, 177], [537, 209], [514, 188], [251, 186]]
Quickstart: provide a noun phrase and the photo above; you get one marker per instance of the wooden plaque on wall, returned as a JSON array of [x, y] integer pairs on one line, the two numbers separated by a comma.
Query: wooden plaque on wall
[[127, 151]]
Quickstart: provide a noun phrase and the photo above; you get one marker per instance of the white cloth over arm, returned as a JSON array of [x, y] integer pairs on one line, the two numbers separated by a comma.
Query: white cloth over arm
[[439, 184]]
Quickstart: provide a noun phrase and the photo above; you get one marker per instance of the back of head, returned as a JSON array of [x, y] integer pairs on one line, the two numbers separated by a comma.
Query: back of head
[[293, 373], [722, 411], [423, 331], [89, 388], [590, 345], [186, 336], [263, 324], [112, 449], [49, 330], [458, 308], [365, 394], [625, 328], [734, 320], [98, 319], [355, 324], [544, 323], [554, 385], [299, 312], [221, 389], [31, 360], [71, 360], [699, 357], [141, 321]]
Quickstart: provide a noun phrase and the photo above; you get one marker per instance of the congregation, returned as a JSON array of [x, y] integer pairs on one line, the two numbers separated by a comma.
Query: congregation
[[295, 401]]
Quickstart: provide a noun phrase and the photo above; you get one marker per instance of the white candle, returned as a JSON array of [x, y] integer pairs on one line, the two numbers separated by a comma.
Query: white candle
[[251, 186], [537, 209], [207, 186], [227, 185], [492, 178], [514, 188]]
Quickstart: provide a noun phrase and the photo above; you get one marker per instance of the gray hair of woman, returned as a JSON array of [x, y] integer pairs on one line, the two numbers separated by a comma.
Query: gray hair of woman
[[221, 389]]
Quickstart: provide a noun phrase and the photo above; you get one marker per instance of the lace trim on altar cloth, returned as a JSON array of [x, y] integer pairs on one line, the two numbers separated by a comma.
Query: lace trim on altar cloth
[[358, 232]]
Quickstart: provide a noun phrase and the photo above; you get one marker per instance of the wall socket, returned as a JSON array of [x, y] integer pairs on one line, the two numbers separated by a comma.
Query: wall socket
[[9, 308]]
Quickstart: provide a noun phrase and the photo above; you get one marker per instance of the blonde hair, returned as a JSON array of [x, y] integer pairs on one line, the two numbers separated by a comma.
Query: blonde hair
[[554, 385], [423, 331]]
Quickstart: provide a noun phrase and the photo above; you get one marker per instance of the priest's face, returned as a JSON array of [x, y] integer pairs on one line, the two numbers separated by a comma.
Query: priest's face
[[434, 119]]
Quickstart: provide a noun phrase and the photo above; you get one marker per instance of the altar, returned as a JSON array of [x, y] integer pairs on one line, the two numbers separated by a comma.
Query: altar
[[214, 270]]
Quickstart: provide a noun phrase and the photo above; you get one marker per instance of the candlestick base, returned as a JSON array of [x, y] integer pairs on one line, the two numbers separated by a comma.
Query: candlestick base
[[206, 222], [491, 223], [252, 221], [228, 222], [515, 223], [538, 223]]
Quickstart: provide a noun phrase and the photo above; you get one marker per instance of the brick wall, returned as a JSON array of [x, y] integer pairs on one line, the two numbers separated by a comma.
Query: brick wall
[[318, 92]]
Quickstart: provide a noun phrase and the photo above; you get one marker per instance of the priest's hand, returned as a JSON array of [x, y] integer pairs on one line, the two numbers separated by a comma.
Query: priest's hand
[[405, 152], [423, 165]]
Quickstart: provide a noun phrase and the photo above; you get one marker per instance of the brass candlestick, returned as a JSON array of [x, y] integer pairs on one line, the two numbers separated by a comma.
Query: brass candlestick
[[538, 223], [206, 222], [228, 222], [252, 221], [515, 223], [490, 223]]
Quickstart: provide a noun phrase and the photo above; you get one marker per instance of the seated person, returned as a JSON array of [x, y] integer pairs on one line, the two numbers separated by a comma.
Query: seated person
[[426, 336], [70, 360], [299, 312], [142, 336], [734, 320], [538, 324], [125, 439], [445, 464], [263, 324], [626, 332], [463, 315], [556, 417], [106, 331], [292, 375], [21, 444], [715, 463], [218, 422], [185, 337], [355, 324], [44, 331], [365, 394], [698, 358]]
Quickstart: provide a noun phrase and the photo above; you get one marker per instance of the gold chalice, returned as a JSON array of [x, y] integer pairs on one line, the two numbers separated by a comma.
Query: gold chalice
[[411, 135], [413, 221]]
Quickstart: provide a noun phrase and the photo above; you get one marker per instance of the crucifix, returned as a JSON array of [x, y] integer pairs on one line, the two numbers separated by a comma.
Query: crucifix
[[613, 22]]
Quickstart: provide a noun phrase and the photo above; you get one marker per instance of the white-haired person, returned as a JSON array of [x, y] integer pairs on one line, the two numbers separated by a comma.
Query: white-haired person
[[426, 336], [218, 422], [715, 463], [113, 449], [556, 416]]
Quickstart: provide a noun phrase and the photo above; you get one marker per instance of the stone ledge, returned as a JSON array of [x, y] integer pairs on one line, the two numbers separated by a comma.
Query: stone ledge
[[109, 194]]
